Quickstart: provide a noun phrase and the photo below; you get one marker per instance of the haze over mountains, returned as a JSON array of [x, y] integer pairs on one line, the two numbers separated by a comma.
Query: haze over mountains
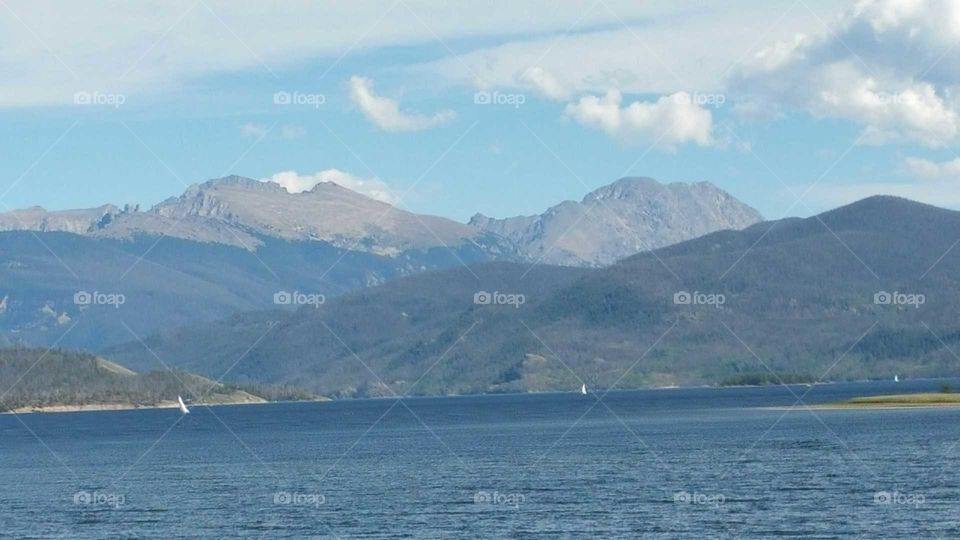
[[228, 245], [802, 299]]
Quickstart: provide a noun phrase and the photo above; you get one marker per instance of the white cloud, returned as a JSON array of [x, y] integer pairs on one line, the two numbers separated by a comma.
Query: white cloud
[[884, 64], [253, 130], [545, 83], [669, 121], [926, 168], [655, 55], [295, 182], [385, 112], [155, 47]]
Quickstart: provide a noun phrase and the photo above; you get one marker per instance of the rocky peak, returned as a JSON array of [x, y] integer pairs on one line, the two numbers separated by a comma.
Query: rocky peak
[[617, 220], [627, 188]]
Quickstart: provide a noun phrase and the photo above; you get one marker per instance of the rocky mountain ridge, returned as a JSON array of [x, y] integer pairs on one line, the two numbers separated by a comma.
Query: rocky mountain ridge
[[620, 219], [612, 222]]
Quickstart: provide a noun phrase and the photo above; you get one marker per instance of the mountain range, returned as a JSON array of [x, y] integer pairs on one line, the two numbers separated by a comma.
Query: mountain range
[[230, 245], [865, 291]]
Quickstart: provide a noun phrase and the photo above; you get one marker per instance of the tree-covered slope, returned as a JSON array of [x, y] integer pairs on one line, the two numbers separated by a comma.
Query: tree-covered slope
[[38, 378], [799, 301]]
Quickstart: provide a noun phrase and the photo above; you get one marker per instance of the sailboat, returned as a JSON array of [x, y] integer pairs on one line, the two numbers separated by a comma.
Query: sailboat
[[896, 378], [183, 406], [583, 389]]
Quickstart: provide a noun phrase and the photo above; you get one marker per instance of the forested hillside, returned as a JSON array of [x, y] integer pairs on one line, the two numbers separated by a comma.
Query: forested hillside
[[39, 378], [802, 299]]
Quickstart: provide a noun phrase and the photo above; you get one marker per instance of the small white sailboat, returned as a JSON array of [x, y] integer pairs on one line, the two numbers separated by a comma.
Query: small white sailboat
[[583, 389], [896, 378], [183, 406]]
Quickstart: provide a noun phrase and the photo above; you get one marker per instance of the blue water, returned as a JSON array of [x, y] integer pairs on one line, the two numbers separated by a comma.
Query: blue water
[[682, 463]]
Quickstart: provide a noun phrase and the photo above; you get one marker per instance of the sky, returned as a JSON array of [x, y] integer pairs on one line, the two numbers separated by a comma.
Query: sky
[[504, 108]]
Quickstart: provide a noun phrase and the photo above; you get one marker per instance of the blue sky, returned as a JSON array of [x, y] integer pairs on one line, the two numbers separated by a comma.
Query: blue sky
[[793, 107]]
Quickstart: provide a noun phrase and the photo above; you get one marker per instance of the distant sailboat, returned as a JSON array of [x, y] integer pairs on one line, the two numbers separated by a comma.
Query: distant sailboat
[[896, 378], [583, 389], [183, 406]]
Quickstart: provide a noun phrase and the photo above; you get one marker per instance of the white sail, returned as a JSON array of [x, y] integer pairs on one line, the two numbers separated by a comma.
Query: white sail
[[583, 389], [183, 406], [896, 378]]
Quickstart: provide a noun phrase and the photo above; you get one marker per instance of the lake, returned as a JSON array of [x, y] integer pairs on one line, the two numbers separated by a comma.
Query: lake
[[670, 463]]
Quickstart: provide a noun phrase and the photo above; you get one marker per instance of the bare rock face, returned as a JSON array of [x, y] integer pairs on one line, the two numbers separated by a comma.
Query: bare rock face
[[626, 217], [73, 221], [328, 212], [240, 211], [623, 218]]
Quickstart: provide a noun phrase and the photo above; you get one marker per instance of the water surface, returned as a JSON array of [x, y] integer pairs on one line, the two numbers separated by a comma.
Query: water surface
[[652, 463]]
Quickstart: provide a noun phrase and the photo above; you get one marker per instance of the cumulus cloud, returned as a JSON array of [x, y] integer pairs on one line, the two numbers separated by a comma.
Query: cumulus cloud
[[883, 65], [295, 182], [385, 112], [671, 120]]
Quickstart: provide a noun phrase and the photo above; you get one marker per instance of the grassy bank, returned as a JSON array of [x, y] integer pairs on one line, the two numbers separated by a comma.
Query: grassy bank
[[928, 399]]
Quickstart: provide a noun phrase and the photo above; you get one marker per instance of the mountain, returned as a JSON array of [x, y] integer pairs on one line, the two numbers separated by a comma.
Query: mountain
[[240, 212], [162, 282], [42, 379], [835, 296], [229, 245], [72, 221], [621, 219], [403, 323], [617, 220], [248, 209], [224, 246]]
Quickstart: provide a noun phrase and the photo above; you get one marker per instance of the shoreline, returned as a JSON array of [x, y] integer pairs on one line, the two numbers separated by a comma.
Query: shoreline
[[864, 406], [882, 402], [917, 400], [100, 407]]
